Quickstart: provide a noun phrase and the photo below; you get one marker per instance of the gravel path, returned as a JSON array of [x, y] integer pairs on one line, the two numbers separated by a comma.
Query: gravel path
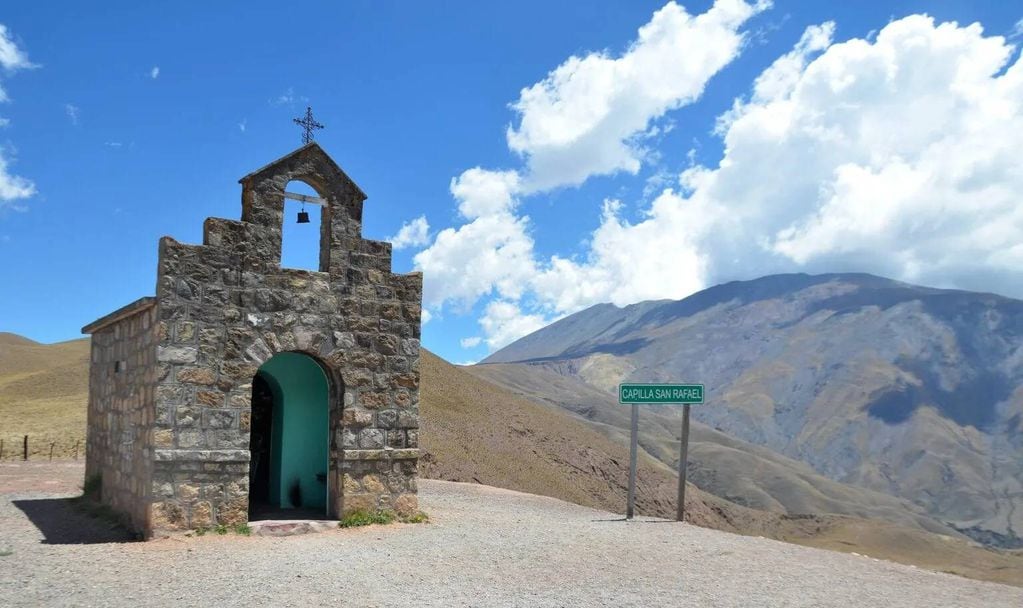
[[485, 547]]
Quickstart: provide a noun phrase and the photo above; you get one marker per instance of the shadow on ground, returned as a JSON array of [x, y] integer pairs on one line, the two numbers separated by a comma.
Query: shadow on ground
[[64, 522]]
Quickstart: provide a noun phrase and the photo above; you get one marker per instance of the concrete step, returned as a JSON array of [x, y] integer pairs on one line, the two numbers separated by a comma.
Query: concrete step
[[290, 527]]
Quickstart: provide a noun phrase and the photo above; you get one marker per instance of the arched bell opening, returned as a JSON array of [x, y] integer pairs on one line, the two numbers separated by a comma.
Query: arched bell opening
[[289, 439], [305, 223]]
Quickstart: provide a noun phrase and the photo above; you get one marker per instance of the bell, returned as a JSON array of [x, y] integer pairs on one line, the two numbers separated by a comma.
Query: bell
[[303, 217]]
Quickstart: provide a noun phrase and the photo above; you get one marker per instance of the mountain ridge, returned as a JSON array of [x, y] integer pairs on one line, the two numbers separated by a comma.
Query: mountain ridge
[[911, 391]]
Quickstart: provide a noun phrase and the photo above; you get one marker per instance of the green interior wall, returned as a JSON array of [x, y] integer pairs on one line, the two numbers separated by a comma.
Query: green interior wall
[[299, 435]]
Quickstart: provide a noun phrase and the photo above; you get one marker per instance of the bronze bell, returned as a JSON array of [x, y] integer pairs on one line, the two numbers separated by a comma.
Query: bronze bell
[[303, 217]]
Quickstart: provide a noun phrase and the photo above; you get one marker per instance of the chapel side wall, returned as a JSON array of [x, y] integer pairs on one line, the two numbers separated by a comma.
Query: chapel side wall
[[120, 415]]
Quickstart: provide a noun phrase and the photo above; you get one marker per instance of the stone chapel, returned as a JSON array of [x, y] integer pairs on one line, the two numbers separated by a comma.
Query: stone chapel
[[244, 389]]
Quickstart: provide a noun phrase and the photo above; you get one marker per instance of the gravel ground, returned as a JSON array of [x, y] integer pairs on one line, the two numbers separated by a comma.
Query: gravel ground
[[484, 547]]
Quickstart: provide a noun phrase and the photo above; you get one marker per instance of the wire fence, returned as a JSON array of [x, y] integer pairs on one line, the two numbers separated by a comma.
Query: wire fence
[[41, 446]]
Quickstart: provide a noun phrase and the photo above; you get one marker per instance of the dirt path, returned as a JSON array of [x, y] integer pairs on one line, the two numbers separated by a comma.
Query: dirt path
[[485, 547]]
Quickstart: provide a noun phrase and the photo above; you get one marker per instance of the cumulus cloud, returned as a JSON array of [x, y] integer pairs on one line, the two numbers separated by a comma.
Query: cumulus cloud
[[155, 72], [504, 322], [470, 342], [896, 154], [414, 233], [481, 192], [652, 259], [490, 253], [590, 114], [12, 187]]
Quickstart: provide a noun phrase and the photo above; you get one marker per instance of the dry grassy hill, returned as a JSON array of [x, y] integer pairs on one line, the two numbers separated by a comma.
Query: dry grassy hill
[[44, 390], [476, 431]]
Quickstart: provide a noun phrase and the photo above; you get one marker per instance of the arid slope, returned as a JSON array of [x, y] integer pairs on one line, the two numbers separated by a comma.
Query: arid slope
[[44, 391]]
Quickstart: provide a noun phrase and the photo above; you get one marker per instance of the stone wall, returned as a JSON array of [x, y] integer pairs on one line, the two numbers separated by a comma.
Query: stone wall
[[226, 307], [122, 380]]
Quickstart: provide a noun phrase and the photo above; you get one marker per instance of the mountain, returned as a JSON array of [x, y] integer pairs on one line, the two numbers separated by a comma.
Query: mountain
[[905, 390], [730, 468], [477, 431]]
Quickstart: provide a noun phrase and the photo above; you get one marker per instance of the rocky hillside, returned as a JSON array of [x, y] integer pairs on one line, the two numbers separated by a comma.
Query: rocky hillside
[[906, 390]]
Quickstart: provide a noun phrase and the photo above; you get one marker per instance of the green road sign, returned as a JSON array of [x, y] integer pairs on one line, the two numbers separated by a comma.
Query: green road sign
[[665, 394]]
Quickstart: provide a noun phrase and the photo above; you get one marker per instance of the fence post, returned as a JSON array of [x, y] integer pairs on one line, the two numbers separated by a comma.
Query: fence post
[[76, 448], [1, 449], [25, 448], [51, 449]]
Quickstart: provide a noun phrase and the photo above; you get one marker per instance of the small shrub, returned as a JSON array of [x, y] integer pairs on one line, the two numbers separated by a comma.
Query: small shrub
[[243, 529], [201, 531], [220, 529], [417, 518], [6, 552], [362, 517]]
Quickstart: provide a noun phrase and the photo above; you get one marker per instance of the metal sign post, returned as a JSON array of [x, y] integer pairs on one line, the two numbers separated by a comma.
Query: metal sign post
[[683, 461], [633, 446], [659, 394]]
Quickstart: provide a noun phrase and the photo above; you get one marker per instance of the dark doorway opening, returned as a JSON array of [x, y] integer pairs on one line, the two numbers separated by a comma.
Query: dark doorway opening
[[289, 440], [259, 445]]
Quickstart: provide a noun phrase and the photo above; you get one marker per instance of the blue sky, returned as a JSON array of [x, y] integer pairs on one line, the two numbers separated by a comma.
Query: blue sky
[[606, 183]]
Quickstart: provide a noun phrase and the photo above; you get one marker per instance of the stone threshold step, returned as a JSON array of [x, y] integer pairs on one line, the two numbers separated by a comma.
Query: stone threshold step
[[290, 527]]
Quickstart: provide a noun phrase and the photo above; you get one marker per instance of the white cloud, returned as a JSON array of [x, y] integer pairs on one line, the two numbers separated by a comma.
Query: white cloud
[[481, 192], [11, 57], [155, 72], [591, 115], [242, 125], [465, 263], [72, 113], [470, 342], [504, 322], [288, 98], [12, 187], [113, 144], [425, 316], [414, 233], [658, 257], [897, 156], [1017, 30]]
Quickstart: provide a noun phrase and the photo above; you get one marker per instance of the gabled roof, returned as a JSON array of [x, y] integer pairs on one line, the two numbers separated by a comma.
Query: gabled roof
[[122, 312], [311, 148]]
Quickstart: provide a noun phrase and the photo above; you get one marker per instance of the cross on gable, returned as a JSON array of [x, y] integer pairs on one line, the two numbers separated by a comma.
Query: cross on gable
[[308, 124]]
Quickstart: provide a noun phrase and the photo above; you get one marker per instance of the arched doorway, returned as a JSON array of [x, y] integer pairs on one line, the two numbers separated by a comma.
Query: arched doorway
[[289, 439]]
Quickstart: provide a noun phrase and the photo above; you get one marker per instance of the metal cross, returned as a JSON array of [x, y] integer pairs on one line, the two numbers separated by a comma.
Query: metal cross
[[307, 124]]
